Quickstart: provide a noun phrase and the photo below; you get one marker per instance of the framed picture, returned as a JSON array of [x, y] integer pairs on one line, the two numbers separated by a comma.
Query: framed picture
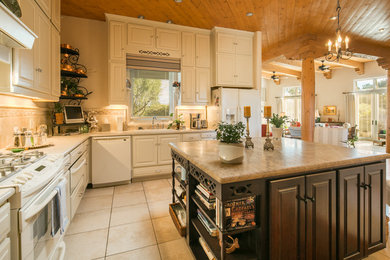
[[330, 111]]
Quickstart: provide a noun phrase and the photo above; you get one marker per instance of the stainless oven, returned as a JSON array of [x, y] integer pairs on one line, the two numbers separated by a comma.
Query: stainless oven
[[40, 232]]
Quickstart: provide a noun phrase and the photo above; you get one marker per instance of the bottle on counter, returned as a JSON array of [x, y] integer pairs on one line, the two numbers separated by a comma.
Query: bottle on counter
[[23, 137], [29, 138], [17, 137]]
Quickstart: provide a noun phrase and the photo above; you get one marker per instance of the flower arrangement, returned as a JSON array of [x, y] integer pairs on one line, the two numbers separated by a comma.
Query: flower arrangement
[[176, 84]]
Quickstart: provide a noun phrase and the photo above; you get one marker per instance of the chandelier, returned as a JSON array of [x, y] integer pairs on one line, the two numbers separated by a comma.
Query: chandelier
[[340, 48]]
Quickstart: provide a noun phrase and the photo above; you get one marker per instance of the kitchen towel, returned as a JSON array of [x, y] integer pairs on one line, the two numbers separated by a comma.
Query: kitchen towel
[[61, 204], [55, 216]]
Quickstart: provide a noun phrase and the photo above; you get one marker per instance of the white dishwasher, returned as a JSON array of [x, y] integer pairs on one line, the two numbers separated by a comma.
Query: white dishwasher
[[111, 160]]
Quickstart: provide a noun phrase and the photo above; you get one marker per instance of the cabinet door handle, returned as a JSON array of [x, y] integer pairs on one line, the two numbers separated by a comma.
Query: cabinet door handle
[[300, 198], [365, 186], [312, 199]]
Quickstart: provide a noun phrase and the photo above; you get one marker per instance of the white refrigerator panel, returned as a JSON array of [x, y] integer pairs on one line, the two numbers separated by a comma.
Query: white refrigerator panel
[[252, 98], [111, 160], [229, 105]]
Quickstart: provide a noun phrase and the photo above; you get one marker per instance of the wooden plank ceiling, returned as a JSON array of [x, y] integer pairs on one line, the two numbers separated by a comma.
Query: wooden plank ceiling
[[279, 20]]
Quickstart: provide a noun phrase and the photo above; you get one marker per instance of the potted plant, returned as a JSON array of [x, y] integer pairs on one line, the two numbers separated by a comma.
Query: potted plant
[[58, 113], [277, 122], [178, 122], [231, 148]]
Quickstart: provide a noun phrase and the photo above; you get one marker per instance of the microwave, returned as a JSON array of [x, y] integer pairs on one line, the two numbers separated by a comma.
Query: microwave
[[73, 114]]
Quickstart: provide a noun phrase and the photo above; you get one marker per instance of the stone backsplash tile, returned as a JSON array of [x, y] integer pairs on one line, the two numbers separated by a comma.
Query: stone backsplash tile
[[29, 118]]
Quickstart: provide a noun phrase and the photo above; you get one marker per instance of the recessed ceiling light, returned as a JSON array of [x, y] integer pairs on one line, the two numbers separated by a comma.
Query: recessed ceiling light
[[141, 16], [333, 18], [178, 1], [249, 14], [169, 21], [381, 29]]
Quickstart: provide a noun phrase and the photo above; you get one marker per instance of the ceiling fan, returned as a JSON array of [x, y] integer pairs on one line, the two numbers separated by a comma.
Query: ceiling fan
[[274, 77], [323, 67]]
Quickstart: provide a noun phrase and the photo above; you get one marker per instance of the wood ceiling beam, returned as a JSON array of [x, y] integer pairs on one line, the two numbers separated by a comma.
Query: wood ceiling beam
[[281, 70], [358, 66]]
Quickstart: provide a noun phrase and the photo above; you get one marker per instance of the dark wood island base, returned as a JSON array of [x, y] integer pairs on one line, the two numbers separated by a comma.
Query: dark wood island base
[[330, 213]]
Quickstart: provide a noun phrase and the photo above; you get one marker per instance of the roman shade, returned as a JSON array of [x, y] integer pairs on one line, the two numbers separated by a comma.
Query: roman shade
[[152, 63]]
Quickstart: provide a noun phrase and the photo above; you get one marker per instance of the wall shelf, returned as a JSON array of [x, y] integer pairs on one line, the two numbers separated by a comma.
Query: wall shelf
[[72, 74]]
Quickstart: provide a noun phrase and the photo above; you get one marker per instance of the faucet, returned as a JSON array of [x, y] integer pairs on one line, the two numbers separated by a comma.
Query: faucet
[[154, 119]]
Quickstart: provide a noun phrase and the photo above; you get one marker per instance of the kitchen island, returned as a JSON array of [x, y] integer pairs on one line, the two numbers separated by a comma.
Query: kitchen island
[[310, 200]]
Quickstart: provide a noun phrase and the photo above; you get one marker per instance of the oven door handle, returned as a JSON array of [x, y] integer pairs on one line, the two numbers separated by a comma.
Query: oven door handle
[[61, 249], [37, 208]]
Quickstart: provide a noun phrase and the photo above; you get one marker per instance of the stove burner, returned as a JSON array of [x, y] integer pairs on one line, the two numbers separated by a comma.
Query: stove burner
[[10, 163]]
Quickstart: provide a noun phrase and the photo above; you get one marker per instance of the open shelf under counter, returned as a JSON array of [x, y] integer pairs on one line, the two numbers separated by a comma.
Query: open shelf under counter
[[245, 252], [208, 213], [182, 183]]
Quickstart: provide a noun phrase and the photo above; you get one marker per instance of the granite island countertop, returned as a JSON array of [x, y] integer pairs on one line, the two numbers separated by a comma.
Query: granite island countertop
[[289, 157]]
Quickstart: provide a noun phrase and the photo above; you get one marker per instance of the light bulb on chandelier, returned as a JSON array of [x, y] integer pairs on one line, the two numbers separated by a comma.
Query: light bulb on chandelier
[[340, 48]]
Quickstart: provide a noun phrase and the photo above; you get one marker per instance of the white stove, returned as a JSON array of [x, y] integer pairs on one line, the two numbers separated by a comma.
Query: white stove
[[28, 172]]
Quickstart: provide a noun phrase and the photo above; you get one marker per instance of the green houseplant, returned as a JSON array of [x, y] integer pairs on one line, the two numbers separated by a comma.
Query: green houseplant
[[278, 122], [177, 122], [58, 113], [231, 149]]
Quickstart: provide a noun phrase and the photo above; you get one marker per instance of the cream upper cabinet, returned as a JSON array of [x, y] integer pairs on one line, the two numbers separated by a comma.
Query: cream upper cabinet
[[168, 39], [46, 6], [163, 149], [23, 60], [202, 51], [144, 151], [36, 72], [56, 13], [244, 45], [140, 35], [225, 69], [233, 58], [116, 41], [188, 49], [118, 94], [243, 76], [153, 41], [188, 85], [202, 85], [226, 43], [56, 61], [42, 54]]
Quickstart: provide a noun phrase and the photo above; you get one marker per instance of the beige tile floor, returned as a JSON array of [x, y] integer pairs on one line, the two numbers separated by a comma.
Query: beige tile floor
[[126, 222], [132, 222]]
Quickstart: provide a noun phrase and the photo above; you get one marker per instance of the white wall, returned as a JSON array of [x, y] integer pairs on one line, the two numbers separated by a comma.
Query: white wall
[[329, 91], [90, 37]]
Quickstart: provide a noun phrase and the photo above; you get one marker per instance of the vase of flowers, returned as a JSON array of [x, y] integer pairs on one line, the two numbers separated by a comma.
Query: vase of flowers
[[58, 113], [231, 148], [277, 129]]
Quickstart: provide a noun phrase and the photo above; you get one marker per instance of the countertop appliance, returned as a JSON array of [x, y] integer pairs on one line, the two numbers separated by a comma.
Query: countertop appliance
[[117, 151], [73, 114], [230, 103], [195, 121], [34, 176]]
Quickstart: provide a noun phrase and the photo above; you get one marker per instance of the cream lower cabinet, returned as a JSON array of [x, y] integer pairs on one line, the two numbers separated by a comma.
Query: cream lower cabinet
[[151, 154], [163, 150], [144, 150]]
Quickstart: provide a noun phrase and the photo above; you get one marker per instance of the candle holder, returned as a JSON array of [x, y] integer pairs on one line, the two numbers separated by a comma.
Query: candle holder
[[268, 144], [248, 140]]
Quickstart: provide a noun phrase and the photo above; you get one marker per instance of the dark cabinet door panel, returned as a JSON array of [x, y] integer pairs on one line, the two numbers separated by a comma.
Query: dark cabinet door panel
[[287, 219], [375, 179], [351, 213], [321, 216]]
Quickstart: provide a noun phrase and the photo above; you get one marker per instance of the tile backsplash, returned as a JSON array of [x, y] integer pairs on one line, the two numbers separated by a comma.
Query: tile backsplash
[[20, 112]]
